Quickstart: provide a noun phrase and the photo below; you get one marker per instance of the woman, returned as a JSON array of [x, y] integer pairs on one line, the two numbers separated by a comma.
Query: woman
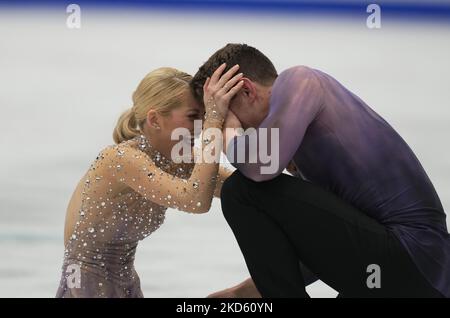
[[123, 197]]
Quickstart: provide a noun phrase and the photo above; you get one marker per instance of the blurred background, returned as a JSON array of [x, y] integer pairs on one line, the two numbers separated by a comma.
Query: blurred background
[[62, 90]]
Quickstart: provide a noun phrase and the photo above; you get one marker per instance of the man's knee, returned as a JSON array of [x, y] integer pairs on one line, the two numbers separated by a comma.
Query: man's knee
[[237, 185], [237, 198], [232, 186], [234, 192]]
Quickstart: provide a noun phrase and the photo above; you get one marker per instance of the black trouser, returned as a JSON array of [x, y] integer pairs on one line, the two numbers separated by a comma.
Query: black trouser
[[280, 222]]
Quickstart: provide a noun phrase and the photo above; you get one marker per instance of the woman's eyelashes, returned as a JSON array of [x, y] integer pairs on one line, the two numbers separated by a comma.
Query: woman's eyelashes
[[194, 116]]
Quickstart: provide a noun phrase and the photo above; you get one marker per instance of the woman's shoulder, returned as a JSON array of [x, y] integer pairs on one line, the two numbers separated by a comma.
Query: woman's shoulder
[[136, 150], [121, 152], [119, 160]]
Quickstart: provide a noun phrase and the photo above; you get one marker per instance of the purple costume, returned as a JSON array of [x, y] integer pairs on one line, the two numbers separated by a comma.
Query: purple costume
[[341, 144]]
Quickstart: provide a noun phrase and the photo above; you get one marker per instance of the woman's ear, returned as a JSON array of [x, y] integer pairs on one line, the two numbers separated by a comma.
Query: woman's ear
[[153, 120]]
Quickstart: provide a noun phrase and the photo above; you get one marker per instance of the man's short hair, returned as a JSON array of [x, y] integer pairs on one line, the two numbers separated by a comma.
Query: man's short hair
[[255, 66]]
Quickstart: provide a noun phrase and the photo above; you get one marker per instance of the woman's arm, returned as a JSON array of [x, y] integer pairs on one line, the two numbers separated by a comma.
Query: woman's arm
[[195, 194], [137, 171]]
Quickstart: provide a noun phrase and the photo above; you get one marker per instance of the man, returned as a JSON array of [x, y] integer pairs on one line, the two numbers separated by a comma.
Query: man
[[360, 213]]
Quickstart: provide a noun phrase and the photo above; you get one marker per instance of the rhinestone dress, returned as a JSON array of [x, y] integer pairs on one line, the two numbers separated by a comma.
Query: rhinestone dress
[[116, 204]]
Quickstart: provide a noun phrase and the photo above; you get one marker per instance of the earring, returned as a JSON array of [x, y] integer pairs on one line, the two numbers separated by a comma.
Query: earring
[[156, 127]]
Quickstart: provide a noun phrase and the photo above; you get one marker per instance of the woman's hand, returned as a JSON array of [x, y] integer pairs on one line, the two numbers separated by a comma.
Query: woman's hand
[[219, 89]]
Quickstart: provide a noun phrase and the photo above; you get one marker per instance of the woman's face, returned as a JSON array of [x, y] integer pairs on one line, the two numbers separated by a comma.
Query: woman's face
[[181, 117]]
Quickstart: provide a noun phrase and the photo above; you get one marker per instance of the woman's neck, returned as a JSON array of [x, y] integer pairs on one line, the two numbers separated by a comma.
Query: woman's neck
[[156, 143]]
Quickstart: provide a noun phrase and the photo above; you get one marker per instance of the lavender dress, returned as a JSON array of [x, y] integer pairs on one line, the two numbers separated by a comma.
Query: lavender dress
[[99, 256]]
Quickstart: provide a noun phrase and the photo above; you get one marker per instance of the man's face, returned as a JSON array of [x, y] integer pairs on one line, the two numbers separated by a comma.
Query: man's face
[[251, 104]]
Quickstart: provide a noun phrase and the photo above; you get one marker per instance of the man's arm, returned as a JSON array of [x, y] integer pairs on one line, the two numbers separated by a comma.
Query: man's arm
[[296, 100]]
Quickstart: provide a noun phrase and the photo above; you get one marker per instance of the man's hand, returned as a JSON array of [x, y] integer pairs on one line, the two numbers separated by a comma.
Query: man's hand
[[246, 289], [231, 121], [234, 125]]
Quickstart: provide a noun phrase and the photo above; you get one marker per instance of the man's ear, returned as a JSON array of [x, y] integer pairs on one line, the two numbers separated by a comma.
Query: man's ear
[[248, 89]]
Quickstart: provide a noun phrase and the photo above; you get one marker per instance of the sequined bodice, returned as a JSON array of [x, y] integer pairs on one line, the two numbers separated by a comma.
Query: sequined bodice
[[111, 217]]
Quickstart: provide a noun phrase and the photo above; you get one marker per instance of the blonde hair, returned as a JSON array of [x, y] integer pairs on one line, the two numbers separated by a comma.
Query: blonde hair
[[160, 90]]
